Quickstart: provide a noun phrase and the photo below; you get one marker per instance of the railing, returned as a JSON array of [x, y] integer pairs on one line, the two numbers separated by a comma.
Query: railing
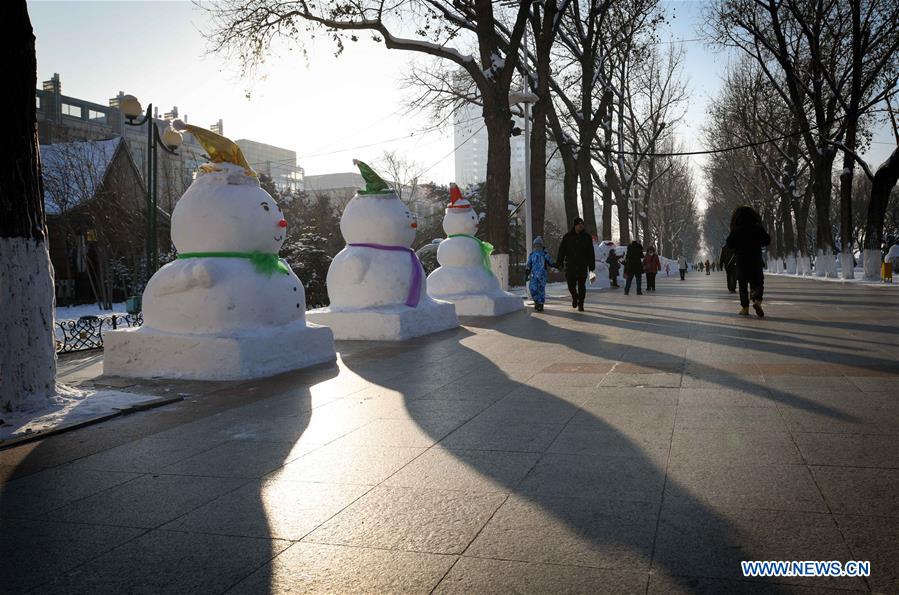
[[87, 331]]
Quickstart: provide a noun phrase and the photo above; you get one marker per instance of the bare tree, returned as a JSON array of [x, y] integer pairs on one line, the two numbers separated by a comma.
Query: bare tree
[[27, 350], [247, 28]]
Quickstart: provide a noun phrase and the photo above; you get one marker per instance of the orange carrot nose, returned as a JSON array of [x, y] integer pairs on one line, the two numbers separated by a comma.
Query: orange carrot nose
[[282, 223], [414, 225]]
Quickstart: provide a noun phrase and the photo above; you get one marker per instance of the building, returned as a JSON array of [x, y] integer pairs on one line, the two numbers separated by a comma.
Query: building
[[62, 118], [277, 163], [470, 138]]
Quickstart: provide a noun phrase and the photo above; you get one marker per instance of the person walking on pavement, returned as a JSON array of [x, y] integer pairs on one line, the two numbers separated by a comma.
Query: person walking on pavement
[[708, 267], [682, 266], [728, 264], [577, 257], [536, 272], [614, 262], [651, 266], [633, 267], [747, 238]]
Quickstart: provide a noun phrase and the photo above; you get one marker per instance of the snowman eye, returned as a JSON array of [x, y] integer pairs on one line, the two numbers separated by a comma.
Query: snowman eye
[[265, 206]]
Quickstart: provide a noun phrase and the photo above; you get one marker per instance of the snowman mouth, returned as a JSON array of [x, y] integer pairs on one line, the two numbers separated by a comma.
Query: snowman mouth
[[278, 238]]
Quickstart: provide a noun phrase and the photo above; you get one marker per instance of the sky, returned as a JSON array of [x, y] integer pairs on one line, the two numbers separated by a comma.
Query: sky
[[328, 109]]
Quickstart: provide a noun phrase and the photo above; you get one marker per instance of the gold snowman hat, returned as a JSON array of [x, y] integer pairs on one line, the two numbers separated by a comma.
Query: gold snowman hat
[[219, 148]]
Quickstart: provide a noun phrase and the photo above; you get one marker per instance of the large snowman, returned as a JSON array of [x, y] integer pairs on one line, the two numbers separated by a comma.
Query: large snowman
[[376, 284], [228, 307], [464, 276]]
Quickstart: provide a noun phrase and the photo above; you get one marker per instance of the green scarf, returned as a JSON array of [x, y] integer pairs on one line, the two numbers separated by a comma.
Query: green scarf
[[486, 250], [266, 262]]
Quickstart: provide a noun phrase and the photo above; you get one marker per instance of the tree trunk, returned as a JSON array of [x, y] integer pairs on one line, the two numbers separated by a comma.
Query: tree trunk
[[823, 233], [543, 40], [624, 220], [606, 213], [647, 198], [885, 179], [498, 120], [27, 349], [846, 176], [789, 244], [569, 179], [585, 176]]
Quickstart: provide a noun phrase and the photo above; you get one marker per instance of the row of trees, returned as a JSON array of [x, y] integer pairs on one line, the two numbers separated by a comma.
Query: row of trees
[[607, 93], [811, 81]]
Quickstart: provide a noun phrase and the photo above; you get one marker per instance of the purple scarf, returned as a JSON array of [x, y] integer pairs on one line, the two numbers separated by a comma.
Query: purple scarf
[[415, 286]]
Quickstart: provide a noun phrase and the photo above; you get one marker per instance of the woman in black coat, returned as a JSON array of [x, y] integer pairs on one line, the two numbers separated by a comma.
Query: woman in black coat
[[747, 238], [633, 267]]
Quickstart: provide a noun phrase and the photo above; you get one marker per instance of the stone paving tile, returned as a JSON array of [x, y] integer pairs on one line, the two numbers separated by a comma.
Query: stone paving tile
[[770, 487], [849, 450], [401, 432], [411, 519], [50, 489], [836, 421], [577, 439], [276, 508], [479, 575], [236, 458], [493, 435], [468, 470], [317, 568], [340, 463], [697, 541], [660, 584], [851, 490], [629, 379], [725, 448], [33, 552], [721, 397], [728, 418], [876, 384], [545, 380], [539, 408], [654, 396], [620, 416], [146, 455], [811, 382], [170, 562], [752, 384], [875, 539], [147, 502], [589, 532], [592, 476]]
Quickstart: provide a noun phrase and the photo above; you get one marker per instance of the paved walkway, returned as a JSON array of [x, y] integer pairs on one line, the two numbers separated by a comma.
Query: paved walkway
[[646, 445]]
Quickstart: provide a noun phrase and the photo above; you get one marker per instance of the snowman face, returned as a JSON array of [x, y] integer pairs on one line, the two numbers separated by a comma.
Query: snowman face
[[460, 221], [378, 219], [227, 218]]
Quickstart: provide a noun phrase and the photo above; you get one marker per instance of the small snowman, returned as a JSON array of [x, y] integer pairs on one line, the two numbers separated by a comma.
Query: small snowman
[[228, 306], [376, 284], [465, 277]]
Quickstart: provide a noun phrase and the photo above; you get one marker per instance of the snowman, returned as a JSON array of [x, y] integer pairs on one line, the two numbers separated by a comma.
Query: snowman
[[376, 284], [601, 252], [465, 277], [227, 307]]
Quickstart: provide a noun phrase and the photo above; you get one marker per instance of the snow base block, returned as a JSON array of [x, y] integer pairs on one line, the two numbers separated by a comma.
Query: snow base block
[[485, 305], [387, 323], [144, 352]]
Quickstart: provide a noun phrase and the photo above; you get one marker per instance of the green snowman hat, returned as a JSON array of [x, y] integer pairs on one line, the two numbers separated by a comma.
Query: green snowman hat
[[374, 184]]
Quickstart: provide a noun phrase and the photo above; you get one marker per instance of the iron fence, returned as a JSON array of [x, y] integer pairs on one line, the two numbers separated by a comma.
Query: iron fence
[[87, 332]]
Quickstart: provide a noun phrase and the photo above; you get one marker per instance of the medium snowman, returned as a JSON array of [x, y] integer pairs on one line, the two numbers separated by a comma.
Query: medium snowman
[[228, 284], [376, 284], [465, 276]]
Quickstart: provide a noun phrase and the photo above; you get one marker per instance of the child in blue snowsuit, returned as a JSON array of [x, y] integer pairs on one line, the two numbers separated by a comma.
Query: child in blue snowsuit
[[538, 263]]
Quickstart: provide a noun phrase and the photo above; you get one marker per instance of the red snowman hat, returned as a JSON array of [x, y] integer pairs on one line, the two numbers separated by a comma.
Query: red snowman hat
[[457, 201]]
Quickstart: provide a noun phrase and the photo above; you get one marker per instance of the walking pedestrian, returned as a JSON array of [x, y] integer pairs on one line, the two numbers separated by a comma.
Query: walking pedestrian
[[708, 267], [682, 266], [633, 267], [536, 272], [747, 238], [614, 262], [576, 255], [651, 266], [667, 269], [728, 263]]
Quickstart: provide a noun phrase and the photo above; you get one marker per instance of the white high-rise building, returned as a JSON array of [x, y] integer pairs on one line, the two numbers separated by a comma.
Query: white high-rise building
[[470, 138]]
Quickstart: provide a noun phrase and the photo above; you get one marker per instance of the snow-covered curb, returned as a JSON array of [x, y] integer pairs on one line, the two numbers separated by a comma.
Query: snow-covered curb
[[553, 290], [856, 281], [70, 406]]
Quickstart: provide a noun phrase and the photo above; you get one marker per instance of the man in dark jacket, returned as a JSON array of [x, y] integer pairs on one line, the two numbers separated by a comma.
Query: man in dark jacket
[[577, 257], [728, 263], [747, 238]]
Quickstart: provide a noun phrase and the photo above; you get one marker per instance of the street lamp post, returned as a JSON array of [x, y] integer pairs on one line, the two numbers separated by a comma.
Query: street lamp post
[[169, 141]]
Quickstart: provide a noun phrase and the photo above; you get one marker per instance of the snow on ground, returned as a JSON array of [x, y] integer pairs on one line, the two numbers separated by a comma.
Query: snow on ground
[[859, 278], [68, 406], [76, 312]]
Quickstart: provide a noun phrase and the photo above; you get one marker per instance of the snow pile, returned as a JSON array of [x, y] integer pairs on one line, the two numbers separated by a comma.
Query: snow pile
[[76, 312], [68, 406]]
